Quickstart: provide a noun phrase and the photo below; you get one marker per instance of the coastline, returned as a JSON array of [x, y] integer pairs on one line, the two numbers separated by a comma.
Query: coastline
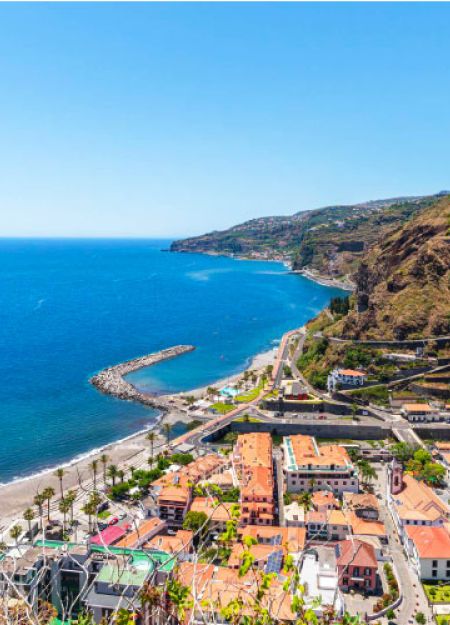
[[133, 449], [18, 494]]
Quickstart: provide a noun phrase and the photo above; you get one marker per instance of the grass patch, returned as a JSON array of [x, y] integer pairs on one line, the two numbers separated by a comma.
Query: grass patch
[[250, 395], [247, 420], [221, 408], [437, 593], [104, 514], [375, 394]]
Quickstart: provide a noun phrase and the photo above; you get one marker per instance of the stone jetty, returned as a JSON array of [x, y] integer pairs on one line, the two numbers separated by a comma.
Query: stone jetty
[[111, 381]]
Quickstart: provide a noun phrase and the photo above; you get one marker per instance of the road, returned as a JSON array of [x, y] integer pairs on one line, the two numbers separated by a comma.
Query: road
[[414, 599]]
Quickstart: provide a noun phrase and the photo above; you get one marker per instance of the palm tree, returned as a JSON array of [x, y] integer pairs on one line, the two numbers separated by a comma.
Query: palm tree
[[89, 509], [71, 498], [150, 461], [305, 500], [28, 516], [60, 473], [132, 470], [38, 501], [151, 437], [167, 428], [48, 493], [64, 507], [104, 458], [15, 532], [120, 474], [112, 473], [94, 466]]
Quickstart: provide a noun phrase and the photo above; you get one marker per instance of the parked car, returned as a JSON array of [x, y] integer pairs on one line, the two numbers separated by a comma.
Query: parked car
[[113, 521]]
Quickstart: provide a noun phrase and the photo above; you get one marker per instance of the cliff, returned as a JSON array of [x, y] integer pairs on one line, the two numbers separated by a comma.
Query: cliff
[[403, 281]]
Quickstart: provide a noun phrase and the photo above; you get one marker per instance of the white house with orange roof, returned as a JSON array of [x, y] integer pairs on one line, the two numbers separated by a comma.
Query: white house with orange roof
[[429, 551], [310, 467], [345, 377]]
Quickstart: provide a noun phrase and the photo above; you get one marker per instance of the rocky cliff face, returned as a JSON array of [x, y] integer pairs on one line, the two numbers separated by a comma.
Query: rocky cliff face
[[402, 283]]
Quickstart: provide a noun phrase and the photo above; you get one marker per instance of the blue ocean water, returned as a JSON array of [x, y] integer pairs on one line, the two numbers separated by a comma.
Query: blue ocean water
[[71, 307]]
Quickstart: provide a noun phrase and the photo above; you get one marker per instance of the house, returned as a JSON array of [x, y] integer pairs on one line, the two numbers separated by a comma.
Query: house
[[217, 512], [116, 587], [253, 463], [180, 543], [110, 535], [146, 530], [357, 566], [323, 500], [338, 525], [412, 502], [429, 551], [294, 391], [420, 413], [310, 467], [339, 378], [319, 577], [294, 515], [267, 558], [364, 505], [291, 538], [173, 503], [316, 524]]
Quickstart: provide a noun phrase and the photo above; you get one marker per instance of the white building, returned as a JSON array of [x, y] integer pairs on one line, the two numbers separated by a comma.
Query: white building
[[429, 551], [308, 467], [345, 377], [319, 576]]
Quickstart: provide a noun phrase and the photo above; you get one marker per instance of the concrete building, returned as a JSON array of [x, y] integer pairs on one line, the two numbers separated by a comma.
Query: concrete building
[[416, 413], [429, 551], [342, 378], [309, 467], [357, 566]]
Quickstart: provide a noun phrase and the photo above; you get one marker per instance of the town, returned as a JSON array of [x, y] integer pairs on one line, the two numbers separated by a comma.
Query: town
[[283, 500]]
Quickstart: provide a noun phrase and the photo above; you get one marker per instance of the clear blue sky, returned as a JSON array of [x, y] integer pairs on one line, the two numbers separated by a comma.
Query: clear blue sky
[[175, 119]]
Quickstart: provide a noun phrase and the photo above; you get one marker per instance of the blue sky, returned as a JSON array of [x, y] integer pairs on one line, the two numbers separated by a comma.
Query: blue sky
[[175, 119]]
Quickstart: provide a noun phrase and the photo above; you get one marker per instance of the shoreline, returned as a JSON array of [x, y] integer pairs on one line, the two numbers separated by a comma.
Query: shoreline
[[17, 494]]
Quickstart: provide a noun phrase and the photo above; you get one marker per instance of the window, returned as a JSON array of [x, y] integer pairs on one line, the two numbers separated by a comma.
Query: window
[[434, 565], [448, 564], [356, 571], [366, 571], [447, 573], [345, 581], [434, 573]]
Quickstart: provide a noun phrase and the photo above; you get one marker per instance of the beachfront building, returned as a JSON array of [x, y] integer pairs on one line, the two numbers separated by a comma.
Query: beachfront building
[[344, 378], [412, 502], [429, 551], [357, 566], [252, 461], [309, 467]]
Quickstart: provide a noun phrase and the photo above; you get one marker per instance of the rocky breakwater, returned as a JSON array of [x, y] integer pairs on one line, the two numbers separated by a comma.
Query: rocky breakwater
[[111, 381]]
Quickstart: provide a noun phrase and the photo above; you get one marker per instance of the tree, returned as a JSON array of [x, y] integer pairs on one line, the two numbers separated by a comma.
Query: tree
[[64, 507], [230, 438], [151, 437], [195, 521], [71, 498], [94, 467], [402, 451], [354, 409], [121, 475], [15, 532], [167, 428], [420, 618], [305, 500], [390, 614], [48, 494], [28, 516], [89, 509], [112, 473], [38, 501], [104, 459], [60, 473]]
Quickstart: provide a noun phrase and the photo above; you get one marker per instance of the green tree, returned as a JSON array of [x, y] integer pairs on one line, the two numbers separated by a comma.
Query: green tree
[[195, 521], [64, 507], [39, 500], [60, 473], [112, 473], [151, 437], [71, 498], [167, 429], [104, 459], [15, 532], [94, 468], [48, 493], [402, 451], [420, 618], [28, 516], [89, 509]]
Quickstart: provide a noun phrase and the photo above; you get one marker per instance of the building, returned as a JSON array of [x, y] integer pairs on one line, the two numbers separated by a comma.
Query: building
[[180, 543], [294, 391], [291, 538], [412, 502], [357, 566], [173, 503], [294, 515], [319, 577], [146, 530], [110, 535], [217, 512], [323, 500], [252, 461], [341, 378], [429, 551], [309, 467], [364, 505], [316, 524], [420, 413]]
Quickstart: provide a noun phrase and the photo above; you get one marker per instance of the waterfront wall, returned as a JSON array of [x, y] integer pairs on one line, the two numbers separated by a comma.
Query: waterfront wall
[[111, 380]]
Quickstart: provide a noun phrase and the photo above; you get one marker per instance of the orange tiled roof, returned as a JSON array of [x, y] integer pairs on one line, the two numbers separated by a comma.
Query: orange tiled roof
[[292, 537], [182, 541], [177, 494], [356, 501], [430, 542], [307, 452], [323, 498], [261, 553], [351, 372], [145, 528], [218, 512], [417, 407], [366, 528], [356, 553], [417, 500]]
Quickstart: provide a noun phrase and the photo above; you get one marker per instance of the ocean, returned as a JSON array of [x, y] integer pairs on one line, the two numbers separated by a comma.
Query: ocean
[[71, 307]]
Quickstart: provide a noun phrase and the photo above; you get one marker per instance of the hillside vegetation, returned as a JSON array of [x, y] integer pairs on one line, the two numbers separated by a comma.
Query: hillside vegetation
[[330, 240]]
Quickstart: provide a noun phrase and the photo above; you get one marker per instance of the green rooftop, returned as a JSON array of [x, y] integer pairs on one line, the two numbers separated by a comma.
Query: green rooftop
[[111, 574]]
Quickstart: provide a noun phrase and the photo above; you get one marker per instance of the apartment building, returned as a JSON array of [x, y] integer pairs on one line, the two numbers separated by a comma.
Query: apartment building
[[310, 467]]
